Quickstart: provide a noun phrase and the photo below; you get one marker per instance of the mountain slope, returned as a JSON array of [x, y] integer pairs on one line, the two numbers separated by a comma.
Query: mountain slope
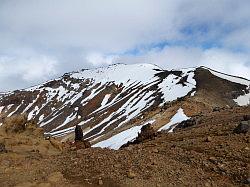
[[106, 101]]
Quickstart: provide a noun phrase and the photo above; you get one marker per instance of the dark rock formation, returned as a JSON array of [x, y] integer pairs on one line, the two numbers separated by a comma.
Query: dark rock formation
[[186, 123], [80, 143], [147, 133], [243, 127], [78, 133], [2, 148]]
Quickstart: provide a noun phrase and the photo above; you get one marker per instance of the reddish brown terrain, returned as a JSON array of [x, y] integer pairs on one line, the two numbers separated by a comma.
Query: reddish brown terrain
[[156, 127], [209, 153]]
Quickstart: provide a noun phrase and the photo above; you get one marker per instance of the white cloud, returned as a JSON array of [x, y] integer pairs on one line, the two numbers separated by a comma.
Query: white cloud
[[97, 59], [115, 26], [182, 57], [239, 38], [228, 62], [93, 25], [26, 70], [33, 31]]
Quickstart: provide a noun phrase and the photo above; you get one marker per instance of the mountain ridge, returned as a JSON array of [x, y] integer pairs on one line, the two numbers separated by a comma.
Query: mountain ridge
[[106, 101]]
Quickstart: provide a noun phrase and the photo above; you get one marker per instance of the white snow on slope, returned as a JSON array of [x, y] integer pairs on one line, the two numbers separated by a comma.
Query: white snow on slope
[[171, 90], [177, 118], [1, 108], [105, 100], [243, 100], [120, 73], [116, 141]]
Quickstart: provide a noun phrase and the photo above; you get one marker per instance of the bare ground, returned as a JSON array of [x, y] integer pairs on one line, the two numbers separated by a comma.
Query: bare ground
[[208, 154]]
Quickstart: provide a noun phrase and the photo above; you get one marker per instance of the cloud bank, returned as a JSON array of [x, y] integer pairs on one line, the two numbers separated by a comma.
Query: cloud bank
[[42, 39]]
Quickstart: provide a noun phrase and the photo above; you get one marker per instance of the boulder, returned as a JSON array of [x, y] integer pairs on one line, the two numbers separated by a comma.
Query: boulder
[[246, 117], [243, 127], [131, 174], [186, 124], [216, 109], [147, 133], [209, 139], [78, 133], [2, 148]]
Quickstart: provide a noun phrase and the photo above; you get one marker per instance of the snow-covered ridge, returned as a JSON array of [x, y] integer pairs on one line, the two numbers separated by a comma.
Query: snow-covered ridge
[[120, 73]]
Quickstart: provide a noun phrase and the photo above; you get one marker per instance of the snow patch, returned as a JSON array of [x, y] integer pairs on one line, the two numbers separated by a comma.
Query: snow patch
[[41, 117], [119, 73], [243, 100], [105, 100], [116, 141], [193, 93], [177, 118], [172, 90], [1, 108]]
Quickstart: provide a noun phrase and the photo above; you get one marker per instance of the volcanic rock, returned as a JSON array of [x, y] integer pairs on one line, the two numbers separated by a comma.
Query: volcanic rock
[[243, 127]]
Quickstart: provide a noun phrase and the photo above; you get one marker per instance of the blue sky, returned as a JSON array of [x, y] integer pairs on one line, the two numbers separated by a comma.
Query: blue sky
[[43, 39]]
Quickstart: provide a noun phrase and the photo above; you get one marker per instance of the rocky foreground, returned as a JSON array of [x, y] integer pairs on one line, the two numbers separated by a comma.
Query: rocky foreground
[[213, 151]]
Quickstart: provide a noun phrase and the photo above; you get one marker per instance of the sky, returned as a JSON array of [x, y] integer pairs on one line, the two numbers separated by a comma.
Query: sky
[[43, 39]]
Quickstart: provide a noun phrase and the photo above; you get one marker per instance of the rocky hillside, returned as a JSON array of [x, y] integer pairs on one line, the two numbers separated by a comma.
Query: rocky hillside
[[212, 152], [113, 100]]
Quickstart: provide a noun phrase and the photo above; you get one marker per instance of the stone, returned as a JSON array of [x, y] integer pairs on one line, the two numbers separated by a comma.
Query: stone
[[2, 148], [246, 117], [187, 123], [207, 184], [131, 174], [243, 127], [248, 181], [216, 109], [147, 133], [212, 159], [155, 150], [209, 139], [78, 133]]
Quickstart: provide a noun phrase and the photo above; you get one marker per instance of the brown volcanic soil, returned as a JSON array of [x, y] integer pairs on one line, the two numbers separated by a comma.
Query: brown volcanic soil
[[208, 154]]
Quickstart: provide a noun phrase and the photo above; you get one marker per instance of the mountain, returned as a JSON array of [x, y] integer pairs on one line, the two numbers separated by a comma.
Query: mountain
[[119, 99]]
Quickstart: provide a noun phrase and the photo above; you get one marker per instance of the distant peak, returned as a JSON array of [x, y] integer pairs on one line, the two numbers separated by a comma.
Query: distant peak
[[122, 65]]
